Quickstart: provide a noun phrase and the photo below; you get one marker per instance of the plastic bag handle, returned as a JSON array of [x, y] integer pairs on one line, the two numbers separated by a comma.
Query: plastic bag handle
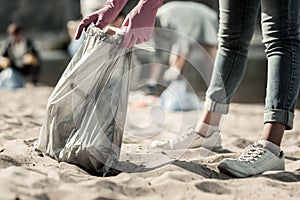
[[116, 30]]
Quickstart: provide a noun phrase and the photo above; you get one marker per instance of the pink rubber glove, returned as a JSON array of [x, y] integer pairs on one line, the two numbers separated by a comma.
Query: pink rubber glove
[[102, 17], [139, 23]]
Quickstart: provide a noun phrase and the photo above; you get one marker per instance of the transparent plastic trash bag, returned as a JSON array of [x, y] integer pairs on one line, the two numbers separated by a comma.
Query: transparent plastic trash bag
[[86, 111]]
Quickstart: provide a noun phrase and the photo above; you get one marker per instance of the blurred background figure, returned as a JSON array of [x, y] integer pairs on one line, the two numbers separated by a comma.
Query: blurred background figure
[[19, 59], [185, 42]]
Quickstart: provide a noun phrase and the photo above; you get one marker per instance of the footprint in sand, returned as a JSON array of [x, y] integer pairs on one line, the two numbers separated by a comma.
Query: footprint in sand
[[212, 187], [242, 143], [7, 161]]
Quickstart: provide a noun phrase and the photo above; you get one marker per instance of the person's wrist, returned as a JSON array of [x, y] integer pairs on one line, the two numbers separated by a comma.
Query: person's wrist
[[114, 7], [109, 12], [155, 2]]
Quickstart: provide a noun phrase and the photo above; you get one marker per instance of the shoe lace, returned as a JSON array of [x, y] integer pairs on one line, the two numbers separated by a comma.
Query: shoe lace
[[252, 153]]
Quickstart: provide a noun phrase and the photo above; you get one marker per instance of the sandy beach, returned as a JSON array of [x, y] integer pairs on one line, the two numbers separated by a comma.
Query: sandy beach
[[148, 173]]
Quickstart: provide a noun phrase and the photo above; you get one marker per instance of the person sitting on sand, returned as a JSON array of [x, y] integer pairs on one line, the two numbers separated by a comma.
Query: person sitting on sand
[[18, 57]]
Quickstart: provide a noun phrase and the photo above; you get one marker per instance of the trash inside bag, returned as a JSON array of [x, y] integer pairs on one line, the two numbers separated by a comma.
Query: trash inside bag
[[87, 109], [176, 97], [11, 79]]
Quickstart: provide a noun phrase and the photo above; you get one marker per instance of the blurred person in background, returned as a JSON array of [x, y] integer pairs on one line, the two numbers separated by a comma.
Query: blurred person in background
[[18, 58], [181, 27]]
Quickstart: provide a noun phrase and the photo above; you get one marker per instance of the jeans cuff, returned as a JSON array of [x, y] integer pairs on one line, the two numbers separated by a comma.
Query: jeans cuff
[[280, 116], [214, 106]]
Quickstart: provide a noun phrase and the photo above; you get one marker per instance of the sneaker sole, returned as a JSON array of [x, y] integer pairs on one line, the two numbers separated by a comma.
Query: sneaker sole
[[223, 168]]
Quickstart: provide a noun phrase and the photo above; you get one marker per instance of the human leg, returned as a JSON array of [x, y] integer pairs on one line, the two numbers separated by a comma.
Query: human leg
[[280, 23], [237, 22]]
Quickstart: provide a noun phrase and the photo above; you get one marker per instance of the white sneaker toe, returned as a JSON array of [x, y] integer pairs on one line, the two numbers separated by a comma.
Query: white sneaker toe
[[189, 140]]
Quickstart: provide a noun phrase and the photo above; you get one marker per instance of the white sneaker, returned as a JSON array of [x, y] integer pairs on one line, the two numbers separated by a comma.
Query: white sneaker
[[190, 139], [255, 160]]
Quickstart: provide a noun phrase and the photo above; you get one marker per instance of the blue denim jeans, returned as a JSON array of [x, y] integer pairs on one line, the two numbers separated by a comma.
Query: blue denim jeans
[[280, 28]]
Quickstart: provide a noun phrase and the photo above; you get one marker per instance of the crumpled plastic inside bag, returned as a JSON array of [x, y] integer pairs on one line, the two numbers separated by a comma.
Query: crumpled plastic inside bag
[[86, 111]]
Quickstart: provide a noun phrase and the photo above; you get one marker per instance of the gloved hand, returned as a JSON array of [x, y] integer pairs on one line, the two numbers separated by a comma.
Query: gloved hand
[[102, 17], [139, 23]]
